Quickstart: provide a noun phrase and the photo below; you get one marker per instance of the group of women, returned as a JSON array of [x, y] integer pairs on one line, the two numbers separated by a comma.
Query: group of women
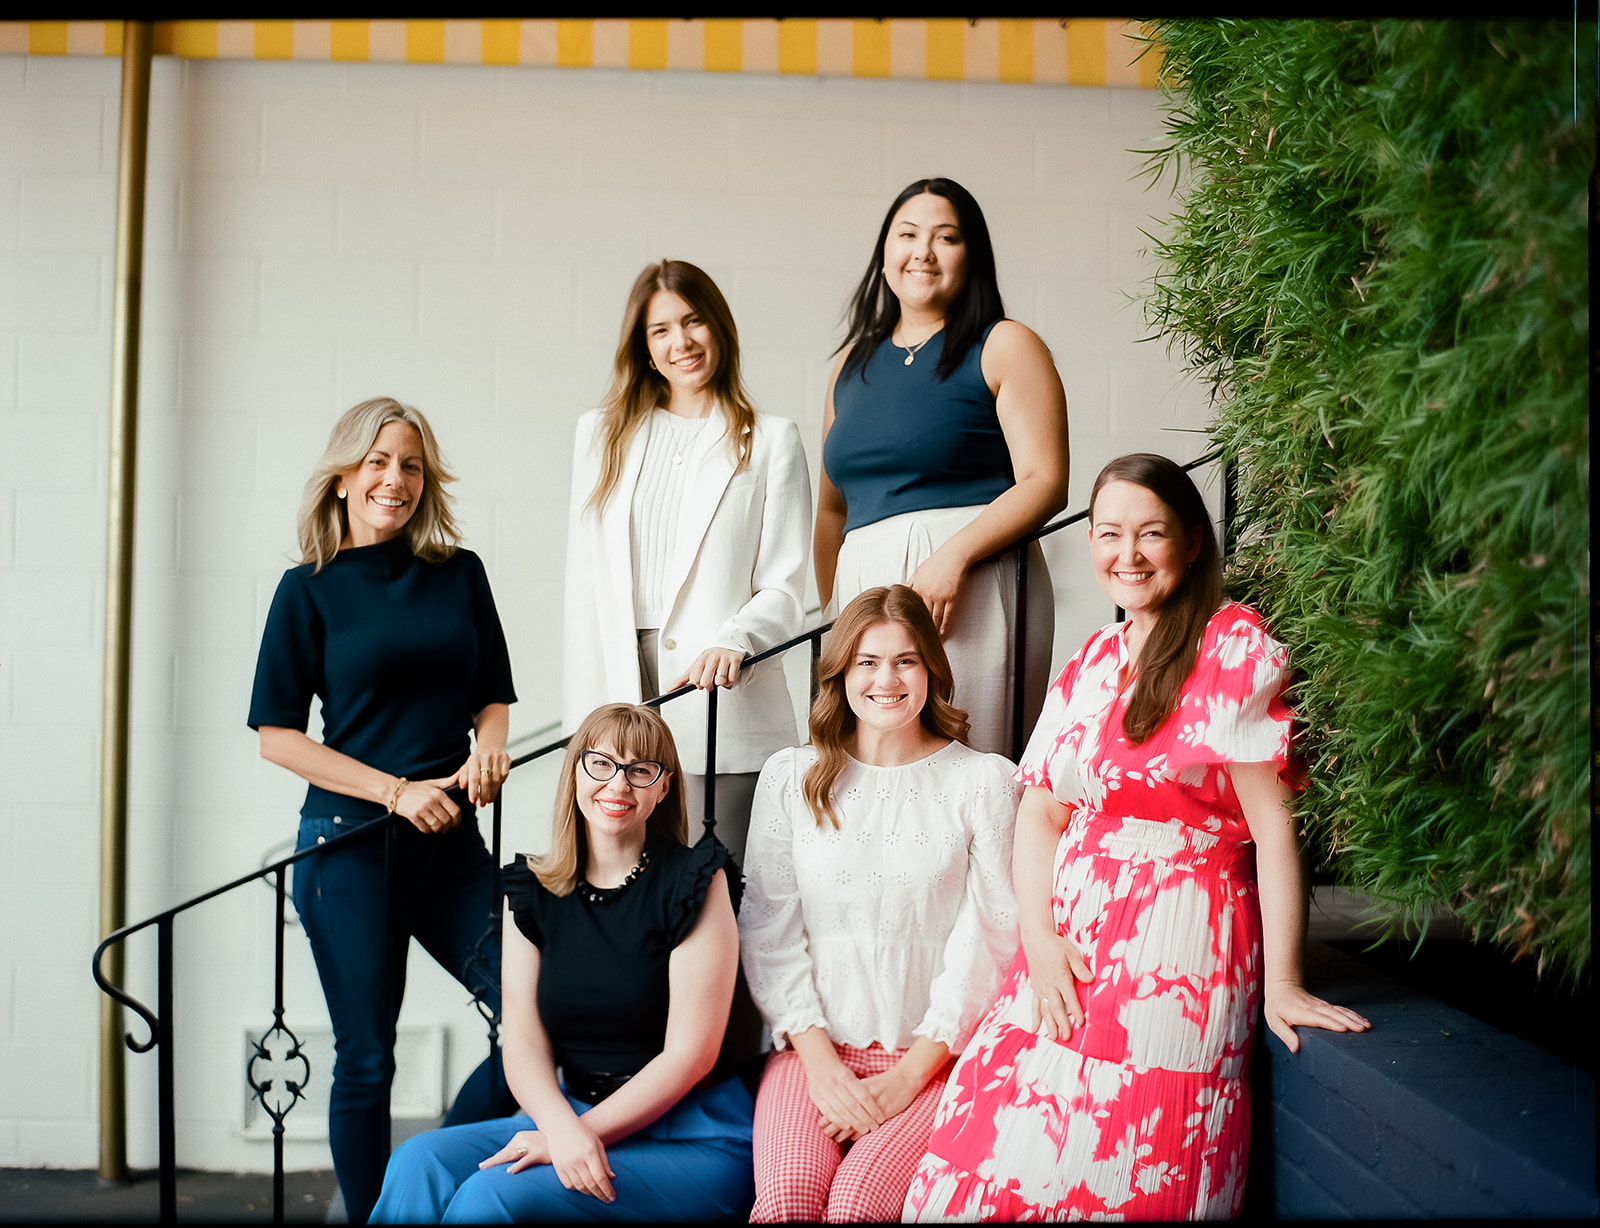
[[989, 991]]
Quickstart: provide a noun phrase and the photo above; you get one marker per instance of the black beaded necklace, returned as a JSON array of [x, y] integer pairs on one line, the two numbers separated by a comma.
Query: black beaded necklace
[[600, 895]]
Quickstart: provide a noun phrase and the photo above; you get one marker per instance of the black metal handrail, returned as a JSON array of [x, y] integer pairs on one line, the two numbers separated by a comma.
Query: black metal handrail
[[288, 1092]]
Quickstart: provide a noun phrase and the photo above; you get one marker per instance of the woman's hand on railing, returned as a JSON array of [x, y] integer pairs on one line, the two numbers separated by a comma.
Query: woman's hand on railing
[[482, 775], [426, 806], [713, 667]]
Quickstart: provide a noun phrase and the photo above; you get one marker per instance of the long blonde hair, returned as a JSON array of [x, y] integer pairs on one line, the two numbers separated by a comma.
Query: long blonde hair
[[634, 732], [324, 520], [832, 720], [636, 388]]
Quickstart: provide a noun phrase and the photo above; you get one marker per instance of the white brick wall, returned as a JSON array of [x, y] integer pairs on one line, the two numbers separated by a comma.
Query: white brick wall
[[462, 238]]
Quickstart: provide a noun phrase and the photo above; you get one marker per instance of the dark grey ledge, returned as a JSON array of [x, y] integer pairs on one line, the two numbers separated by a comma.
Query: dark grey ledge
[[1432, 1113]]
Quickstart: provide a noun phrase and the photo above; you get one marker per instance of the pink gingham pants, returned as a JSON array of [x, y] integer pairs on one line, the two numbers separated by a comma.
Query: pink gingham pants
[[802, 1174]]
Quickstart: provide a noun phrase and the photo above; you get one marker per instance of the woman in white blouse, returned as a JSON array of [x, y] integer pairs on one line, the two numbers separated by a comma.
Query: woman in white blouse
[[687, 541], [877, 919]]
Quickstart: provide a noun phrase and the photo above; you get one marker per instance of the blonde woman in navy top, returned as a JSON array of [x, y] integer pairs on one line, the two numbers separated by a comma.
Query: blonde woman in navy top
[[390, 624], [944, 441]]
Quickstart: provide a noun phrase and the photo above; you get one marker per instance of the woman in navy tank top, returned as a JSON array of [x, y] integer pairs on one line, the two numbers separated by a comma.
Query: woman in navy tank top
[[944, 440]]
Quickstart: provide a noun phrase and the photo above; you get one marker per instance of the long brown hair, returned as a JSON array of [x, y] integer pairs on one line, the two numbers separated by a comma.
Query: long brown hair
[[324, 520], [1173, 644], [634, 733], [637, 388], [832, 720]]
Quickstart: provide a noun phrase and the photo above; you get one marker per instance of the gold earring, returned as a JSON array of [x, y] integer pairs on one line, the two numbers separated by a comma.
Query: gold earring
[[340, 492], [653, 366]]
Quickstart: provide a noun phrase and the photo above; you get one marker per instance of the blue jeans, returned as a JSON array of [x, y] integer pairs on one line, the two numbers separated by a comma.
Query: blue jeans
[[693, 1163], [360, 934]]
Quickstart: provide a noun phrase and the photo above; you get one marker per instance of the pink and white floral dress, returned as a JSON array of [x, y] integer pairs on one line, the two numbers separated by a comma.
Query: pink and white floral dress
[[1144, 1113]]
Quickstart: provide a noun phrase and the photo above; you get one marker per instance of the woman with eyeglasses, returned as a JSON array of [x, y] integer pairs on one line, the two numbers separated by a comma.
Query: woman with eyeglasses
[[620, 951]]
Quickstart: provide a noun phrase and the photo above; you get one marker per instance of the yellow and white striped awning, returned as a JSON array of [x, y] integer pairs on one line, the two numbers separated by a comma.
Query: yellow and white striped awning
[[1041, 52]]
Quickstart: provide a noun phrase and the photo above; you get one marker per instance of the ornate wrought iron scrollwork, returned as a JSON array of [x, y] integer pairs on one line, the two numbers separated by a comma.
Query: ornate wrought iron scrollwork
[[277, 1093], [126, 999]]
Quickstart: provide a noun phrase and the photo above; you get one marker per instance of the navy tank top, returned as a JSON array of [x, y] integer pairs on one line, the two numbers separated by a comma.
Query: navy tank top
[[904, 441]]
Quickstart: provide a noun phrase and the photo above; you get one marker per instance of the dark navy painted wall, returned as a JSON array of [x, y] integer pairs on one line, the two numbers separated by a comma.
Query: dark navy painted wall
[[1431, 1113]]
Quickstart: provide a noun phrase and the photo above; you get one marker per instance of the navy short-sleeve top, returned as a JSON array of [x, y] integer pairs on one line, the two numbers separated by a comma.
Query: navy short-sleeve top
[[403, 653], [603, 992], [904, 440]]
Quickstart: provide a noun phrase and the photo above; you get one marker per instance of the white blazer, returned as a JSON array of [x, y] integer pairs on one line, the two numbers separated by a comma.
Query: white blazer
[[736, 580]]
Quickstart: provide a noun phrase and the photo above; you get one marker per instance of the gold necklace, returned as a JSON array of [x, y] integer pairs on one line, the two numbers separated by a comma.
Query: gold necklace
[[911, 350]]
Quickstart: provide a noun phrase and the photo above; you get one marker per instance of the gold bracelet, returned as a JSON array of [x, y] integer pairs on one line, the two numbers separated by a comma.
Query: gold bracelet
[[394, 798]]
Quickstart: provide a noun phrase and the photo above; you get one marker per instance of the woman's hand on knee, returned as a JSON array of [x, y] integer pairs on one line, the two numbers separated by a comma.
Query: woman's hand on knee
[[848, 1105], [579, 1158], [526, 1148], [892, 1091], [924, 1060]]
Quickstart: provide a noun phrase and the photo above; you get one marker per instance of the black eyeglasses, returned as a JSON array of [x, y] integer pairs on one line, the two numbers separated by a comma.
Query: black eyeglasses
[[641, 773]]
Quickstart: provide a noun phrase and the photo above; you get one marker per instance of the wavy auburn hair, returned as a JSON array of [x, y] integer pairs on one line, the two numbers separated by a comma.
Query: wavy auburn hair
[[634, 732], [637, 388], [833, 721], [1173, 644], [324, 520]]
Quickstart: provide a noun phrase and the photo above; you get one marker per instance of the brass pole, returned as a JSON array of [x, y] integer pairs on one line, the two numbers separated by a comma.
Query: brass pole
[[126, 294]]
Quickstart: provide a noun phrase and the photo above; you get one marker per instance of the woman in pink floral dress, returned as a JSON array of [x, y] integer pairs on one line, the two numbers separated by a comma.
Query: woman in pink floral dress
[[1161, 892]]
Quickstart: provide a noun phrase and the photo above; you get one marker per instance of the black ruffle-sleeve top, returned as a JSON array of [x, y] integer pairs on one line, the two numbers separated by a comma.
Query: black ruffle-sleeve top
[[603, 993]]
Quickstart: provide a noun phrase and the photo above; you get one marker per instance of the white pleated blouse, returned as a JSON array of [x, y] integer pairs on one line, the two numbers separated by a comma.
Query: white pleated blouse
[[901, 923], [653, 513]]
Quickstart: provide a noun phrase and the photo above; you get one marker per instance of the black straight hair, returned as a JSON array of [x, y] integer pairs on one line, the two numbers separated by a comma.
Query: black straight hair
[[873, 310]]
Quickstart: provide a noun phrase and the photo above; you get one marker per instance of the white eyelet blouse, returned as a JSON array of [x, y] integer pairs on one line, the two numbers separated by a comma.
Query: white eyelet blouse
[[901, 923]]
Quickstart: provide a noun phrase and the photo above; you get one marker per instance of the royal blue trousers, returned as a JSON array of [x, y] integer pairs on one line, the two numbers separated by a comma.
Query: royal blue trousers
[[360, 934], [691, 1164]]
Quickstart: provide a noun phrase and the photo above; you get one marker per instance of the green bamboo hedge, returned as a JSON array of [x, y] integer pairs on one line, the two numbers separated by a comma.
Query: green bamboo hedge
[[1380, 263]]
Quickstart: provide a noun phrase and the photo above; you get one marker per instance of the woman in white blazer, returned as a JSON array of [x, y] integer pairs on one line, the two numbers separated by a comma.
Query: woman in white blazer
[[688, 540]]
